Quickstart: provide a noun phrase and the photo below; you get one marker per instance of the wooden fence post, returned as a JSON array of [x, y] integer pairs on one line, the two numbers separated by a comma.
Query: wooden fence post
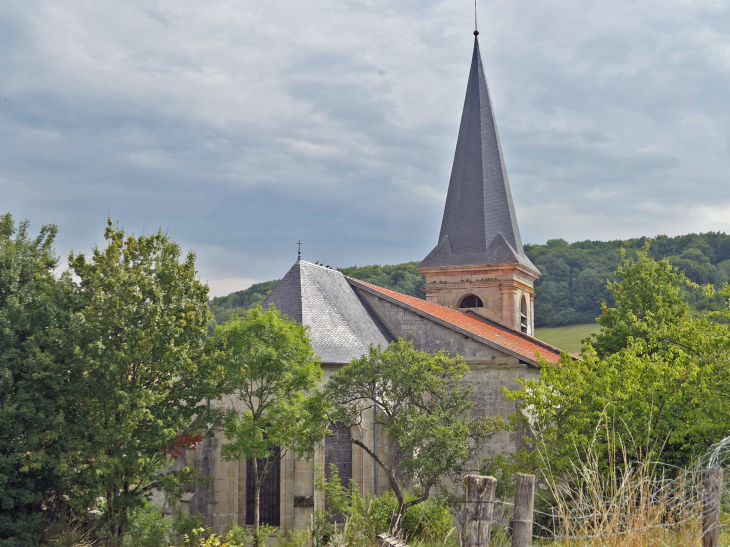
[[479, 510], [524, 505], [711, 508]]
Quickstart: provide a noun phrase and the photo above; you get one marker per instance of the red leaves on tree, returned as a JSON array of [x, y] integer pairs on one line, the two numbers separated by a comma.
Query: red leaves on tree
[[181, 443]]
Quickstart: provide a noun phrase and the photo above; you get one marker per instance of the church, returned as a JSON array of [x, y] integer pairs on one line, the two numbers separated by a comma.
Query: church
[[479, 305]]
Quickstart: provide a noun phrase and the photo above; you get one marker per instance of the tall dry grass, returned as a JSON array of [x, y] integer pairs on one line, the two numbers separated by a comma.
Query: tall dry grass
[[624, 503]]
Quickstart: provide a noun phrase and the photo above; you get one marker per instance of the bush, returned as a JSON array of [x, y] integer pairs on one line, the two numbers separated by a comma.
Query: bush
[[147, 527], [429, 522], [237, 536], [364, 519]]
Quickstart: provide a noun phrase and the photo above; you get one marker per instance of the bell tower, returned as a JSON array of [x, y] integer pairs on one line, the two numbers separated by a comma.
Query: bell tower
[[479, 263]]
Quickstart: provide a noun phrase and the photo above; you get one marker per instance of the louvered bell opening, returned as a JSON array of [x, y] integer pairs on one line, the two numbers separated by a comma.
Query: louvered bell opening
[[523, 315]]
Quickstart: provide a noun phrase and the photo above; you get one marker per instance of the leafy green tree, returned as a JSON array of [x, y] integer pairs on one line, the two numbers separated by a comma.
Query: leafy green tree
[[37, 396], [422, 406], [272, 372], [649, 300], [139, 339], [567, 293], [651, 386]]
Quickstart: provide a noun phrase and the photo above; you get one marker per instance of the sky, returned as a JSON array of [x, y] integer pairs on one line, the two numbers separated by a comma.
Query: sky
[[242, 127]]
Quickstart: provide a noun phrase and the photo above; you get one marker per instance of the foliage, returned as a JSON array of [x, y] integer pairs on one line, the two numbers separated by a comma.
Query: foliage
[[184, 524], [403, 278], [572, 287], [238, 536], [138, 340], [649, 299], [422, 406], [201, 537], [268, 364], [237, 303], [37, 394], [147, 527], [322, 529], [367, 517], [651, 385], [429, 522]]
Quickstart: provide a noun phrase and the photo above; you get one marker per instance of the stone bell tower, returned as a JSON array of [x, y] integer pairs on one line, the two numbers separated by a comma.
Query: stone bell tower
[[479, 264]]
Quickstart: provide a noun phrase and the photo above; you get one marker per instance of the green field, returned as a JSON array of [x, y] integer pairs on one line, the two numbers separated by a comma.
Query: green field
[[566, 338]]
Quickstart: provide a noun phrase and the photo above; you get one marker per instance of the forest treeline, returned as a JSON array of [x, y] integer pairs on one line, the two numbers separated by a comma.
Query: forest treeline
[[572, 287]]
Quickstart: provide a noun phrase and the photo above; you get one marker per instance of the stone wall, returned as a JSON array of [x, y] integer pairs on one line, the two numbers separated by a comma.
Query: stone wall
[[222, 500]]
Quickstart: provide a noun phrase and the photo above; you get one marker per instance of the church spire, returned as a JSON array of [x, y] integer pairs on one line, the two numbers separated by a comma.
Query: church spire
[[479, 225]]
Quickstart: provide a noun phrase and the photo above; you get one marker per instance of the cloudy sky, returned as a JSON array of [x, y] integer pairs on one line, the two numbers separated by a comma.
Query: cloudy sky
[[242, 126]]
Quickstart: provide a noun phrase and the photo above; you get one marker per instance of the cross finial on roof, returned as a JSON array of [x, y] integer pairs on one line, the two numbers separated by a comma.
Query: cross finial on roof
[[299, 254]]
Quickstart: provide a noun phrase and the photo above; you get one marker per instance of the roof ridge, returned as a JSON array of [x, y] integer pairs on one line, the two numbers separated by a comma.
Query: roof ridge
[[321, 266]]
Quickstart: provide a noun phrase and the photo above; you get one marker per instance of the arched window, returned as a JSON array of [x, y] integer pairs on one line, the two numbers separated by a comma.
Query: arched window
[[471, 301], [270, 496], [523, 315], [338, 451]]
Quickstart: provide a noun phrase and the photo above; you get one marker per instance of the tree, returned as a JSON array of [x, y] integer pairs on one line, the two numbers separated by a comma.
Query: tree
[[422, 406], [138, 338], [651, 386], [649, 299], [37, 396], [271, 370]]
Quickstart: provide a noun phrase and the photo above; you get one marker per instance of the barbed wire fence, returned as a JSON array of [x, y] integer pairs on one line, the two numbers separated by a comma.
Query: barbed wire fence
[[645, 503]]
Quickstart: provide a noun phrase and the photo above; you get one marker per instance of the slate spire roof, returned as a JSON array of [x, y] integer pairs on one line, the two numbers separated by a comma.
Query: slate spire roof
[[479, 224]]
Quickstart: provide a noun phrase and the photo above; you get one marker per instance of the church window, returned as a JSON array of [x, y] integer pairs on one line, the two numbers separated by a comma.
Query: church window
[[338, 451], [523, 316], [471, 301], [270, 495]]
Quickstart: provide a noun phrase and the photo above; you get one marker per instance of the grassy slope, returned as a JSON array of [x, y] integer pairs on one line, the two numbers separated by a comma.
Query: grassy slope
[[566, 338]]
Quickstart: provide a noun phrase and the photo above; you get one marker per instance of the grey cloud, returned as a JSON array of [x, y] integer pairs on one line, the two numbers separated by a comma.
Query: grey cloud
[[241, 128]]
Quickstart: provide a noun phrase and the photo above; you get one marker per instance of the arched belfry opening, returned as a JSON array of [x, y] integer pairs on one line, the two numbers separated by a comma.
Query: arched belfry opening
[[471, 301], [524, 322]]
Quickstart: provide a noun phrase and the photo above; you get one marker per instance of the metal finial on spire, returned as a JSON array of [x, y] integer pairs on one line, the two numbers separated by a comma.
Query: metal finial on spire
[[476, 31], [299, 254]]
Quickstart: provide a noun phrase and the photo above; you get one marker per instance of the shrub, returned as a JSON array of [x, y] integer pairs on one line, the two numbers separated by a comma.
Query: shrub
[[429, 522], [147, 527]]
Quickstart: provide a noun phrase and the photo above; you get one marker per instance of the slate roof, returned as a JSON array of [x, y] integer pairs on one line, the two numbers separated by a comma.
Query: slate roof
[[510, 341], [479, 225], [341, 326]]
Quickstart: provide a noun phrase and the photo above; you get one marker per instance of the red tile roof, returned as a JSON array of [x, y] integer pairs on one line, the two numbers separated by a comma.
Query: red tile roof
[[513, 342]]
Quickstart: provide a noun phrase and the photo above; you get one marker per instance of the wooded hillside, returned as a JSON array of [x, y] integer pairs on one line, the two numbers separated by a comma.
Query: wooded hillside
[[574, 275], [573, 282]]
